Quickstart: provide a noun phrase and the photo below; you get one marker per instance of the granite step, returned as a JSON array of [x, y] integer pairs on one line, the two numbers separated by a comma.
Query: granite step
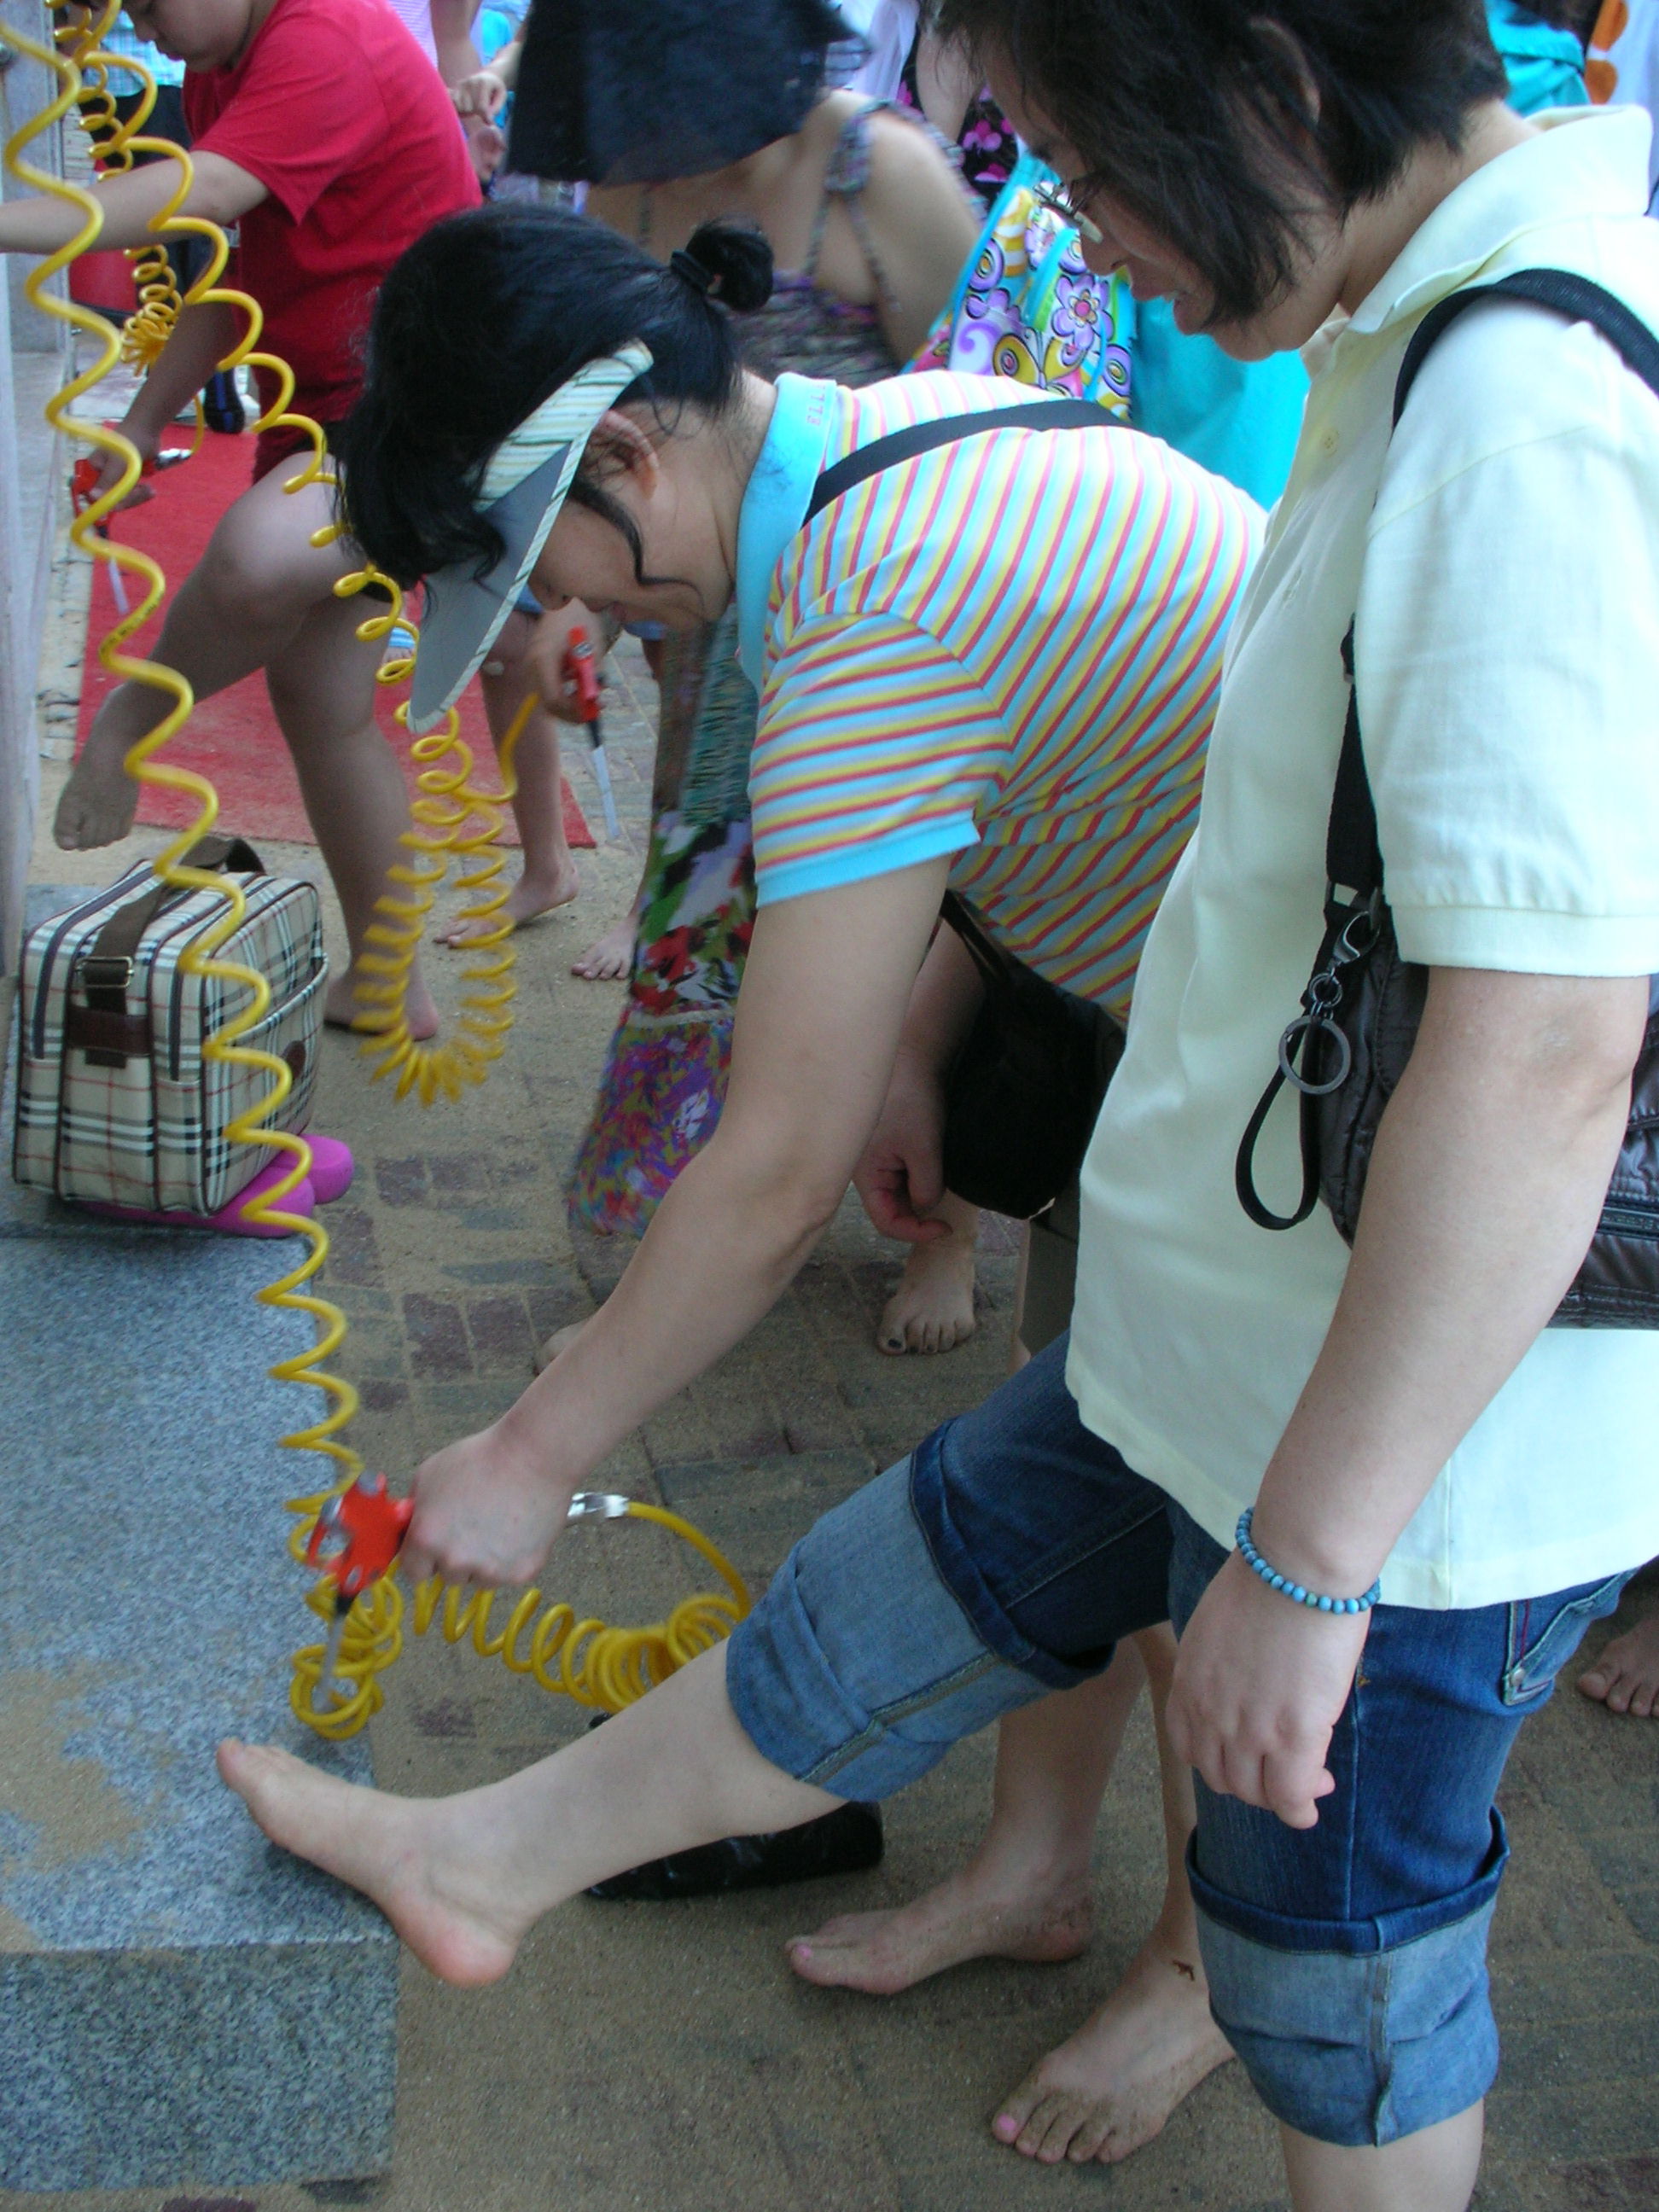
[[180, 2004]]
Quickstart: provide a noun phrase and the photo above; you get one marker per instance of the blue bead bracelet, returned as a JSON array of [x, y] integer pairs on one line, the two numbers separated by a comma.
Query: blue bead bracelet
[[1298, 1595]]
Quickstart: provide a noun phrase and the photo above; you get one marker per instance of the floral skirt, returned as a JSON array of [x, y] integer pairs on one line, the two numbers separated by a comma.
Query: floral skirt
[[665, 1073]]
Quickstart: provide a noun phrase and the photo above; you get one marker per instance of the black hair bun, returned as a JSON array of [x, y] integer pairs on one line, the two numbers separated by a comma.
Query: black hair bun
[[738, 261]]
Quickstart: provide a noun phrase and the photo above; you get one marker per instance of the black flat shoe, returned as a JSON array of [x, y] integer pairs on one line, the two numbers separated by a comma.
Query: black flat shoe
[[846, 1841]]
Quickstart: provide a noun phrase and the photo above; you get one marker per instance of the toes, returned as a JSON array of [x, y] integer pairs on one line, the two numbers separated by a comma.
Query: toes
[[1047, 2132], [1595, 1683], [1015, 2110], [1091, 2138]]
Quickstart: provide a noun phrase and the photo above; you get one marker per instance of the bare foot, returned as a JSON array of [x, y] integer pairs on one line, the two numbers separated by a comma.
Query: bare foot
[[97, 804], [886, 1952], [933, 1309], [410, 1854], [561, 1340], [610, 958], [341, 1009], [1110, 2087], [1625, 1678], [528, 900]]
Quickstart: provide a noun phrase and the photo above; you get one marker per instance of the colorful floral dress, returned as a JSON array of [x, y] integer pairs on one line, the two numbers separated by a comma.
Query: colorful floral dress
[[1027, 307], [665, 1078]]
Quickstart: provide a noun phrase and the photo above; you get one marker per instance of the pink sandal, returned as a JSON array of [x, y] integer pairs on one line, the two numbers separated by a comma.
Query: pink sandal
[[332, 1169]]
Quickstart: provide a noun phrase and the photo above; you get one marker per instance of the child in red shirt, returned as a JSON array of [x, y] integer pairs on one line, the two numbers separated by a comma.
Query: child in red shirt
[[331, 112], [324, 132]]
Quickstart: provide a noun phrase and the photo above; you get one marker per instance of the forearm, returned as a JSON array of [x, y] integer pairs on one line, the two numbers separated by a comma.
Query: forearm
[[451, 38], [1490, 1168], [200, 340], [41, 224], [723, 1244]]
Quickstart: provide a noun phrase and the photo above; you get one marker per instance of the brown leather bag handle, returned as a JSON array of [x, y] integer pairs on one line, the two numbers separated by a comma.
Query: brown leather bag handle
[[105, 969]]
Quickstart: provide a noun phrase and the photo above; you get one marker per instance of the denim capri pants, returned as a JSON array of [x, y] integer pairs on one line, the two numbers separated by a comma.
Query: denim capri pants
[[1006, 1558]]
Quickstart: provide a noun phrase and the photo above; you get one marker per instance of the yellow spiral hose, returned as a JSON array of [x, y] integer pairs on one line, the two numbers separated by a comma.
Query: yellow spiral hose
[[586, 1659], [597, 1664]]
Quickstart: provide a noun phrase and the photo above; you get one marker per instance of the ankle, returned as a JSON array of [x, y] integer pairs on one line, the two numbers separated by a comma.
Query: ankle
[[1173, 1943], [1052, 1869]]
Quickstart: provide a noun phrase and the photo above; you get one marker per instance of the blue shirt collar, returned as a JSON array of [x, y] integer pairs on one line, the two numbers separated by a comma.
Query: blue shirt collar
[[774, 505]]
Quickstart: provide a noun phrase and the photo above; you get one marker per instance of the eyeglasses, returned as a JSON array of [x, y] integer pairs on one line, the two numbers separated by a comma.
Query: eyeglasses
[[1059, 201]]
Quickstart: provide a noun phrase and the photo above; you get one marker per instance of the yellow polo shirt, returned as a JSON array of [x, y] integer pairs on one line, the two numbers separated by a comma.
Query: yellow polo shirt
[[1502, 553]]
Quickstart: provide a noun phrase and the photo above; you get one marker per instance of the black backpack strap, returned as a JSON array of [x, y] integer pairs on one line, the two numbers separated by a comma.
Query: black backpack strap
[[1574, 297], [1313, 1052], [1354, 858], [921, 438]]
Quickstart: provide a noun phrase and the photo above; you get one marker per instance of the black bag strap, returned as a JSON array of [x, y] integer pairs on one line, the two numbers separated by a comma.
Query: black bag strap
[[1313, 1053], [922, 437], [993, 960], [1353, 858]]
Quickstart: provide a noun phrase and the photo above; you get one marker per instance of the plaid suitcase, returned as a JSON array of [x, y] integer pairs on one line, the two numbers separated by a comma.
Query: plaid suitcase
[[115, 1101]]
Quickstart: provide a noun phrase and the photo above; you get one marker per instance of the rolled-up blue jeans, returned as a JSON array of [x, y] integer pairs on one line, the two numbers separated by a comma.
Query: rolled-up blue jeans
[[1007, 1558]]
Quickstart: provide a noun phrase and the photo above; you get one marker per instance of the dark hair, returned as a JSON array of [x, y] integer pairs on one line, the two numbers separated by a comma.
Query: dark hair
[[1218, 123], [642, 91], [486, 315]]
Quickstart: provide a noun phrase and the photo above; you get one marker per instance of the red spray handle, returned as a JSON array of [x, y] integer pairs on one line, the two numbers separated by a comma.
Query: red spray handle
[[580, 671], [358, 1534], [83, 480]]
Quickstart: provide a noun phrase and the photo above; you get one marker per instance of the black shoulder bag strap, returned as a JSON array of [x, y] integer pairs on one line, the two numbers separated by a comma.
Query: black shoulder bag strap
[[906, 445], [922, 437], [1313, 1054]]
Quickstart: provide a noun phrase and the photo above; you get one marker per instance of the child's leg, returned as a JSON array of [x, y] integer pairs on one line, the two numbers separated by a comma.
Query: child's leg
[[241, 603], [1028, 1892], [1110, 2087], [932, 1308], [547, 877], [609, 957], [463, 1879], [322, 692]]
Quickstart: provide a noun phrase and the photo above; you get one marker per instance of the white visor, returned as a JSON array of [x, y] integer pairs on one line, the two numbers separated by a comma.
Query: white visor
[[524, 488]]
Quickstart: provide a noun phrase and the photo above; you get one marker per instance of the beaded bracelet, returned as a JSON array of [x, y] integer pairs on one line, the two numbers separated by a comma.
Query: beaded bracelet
[[1298, 1595]]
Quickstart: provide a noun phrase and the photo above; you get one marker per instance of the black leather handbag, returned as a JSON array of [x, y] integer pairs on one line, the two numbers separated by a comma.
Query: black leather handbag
[[1346, 1050], [1023, 1094]]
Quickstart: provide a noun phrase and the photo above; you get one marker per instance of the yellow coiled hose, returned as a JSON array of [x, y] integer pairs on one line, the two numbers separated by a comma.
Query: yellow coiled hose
[[584, 1659], [597, 1665]]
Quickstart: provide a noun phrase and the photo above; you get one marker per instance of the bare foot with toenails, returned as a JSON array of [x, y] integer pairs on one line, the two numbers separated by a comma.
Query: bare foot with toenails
[[1110, 2087], [97, 805], [1625, 1678], [343, 1010], [533, 898], [932, 1308], [422, 1862], [610, 958], [969, 1916]]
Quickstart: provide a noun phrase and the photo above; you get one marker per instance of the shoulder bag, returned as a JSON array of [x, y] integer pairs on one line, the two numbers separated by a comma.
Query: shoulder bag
[[1346, 1050]]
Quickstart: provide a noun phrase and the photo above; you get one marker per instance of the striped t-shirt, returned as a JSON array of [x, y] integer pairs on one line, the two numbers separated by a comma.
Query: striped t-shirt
[[1007, 649]]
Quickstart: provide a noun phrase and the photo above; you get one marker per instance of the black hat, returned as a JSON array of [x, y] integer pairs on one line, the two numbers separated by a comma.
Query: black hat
[[622, 92]]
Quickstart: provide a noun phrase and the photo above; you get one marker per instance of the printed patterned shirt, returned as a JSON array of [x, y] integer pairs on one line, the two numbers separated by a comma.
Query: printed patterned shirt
[[1007, 649]]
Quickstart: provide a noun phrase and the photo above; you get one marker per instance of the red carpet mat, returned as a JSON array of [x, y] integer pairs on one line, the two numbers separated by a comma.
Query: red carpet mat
[[233, 738]]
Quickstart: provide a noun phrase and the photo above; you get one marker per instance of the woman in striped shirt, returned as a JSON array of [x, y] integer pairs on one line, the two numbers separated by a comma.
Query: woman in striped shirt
[[991, 667]]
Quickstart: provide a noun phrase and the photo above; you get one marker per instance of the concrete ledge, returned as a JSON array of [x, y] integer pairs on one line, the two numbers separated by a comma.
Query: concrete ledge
[[179, 2003]]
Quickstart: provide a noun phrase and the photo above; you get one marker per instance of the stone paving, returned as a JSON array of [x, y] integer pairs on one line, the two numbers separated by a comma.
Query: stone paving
[[663, 2058]]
